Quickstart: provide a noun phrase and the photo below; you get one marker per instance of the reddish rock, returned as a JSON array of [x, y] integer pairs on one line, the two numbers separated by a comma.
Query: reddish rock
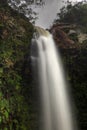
[[61, 38]]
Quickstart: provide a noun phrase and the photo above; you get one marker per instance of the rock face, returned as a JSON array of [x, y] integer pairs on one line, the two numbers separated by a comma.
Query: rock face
[[60, 36], [82, 37], [67, 36], [74, 57]]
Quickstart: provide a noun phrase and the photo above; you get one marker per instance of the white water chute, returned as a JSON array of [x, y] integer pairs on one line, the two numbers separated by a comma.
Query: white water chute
[[56, 113]]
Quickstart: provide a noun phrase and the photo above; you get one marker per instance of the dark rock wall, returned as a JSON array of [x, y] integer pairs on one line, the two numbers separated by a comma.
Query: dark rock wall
[[74, 57]]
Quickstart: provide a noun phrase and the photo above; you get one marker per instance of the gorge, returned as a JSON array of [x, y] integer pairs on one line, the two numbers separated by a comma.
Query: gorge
[[19, 94]]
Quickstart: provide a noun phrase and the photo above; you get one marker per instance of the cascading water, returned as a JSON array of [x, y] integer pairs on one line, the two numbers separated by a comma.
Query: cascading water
[[56, 113]]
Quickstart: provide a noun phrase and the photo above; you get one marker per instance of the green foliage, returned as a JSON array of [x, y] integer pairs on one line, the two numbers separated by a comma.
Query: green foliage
[[76, 63], [74, 37], [25, 7], [74, 14], [15, 37]]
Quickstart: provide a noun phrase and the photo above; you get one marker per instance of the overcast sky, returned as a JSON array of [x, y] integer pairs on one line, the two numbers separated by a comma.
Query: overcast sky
[[47, 13]]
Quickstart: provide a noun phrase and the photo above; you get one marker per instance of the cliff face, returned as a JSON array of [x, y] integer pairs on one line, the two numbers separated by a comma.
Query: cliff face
[[74, 56], [15, 87], [60, 37]]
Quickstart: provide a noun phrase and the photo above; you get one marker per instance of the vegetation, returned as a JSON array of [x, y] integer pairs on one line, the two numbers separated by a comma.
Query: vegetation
[[25, 7], [76, 67], [75, 58], [19, 99], [74, 14], [16, 95]]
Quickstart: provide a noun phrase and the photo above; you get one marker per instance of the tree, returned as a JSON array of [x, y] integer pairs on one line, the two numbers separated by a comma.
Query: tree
[[74, 14], [26, 7]]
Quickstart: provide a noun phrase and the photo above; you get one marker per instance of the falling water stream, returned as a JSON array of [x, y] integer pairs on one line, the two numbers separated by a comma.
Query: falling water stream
[[56, 111]]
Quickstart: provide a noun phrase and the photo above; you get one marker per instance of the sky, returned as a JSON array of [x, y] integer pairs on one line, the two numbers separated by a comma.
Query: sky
[[48, 13]]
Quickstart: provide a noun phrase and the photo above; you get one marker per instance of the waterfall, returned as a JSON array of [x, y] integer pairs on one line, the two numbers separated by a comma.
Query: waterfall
[[56, 111]]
